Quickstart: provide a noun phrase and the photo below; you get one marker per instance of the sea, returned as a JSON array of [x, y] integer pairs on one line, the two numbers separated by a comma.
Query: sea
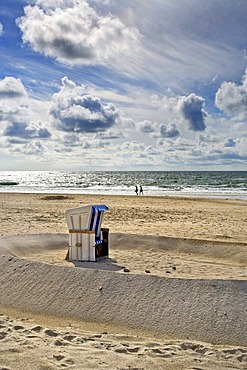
[[209, 184]]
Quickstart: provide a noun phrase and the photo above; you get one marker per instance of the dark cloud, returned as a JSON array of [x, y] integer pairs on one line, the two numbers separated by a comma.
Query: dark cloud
[[234, 156], [71, 50], [192, 110], [230, 143], [23, 130]]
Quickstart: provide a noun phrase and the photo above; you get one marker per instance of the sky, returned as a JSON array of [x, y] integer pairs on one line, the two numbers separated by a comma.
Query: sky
[[123, 85]]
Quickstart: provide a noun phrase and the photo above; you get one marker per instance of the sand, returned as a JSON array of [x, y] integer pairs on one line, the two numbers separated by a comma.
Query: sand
[[181, 305]]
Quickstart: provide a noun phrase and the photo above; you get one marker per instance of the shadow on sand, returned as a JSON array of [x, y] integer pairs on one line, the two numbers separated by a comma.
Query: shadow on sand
[[104, 263]]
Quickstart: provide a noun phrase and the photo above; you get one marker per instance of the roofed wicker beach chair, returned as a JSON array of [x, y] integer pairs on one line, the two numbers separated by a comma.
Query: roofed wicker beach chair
[[87, 240]]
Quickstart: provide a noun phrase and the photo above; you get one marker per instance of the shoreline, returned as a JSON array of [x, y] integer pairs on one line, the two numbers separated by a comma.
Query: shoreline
[[185, 195]]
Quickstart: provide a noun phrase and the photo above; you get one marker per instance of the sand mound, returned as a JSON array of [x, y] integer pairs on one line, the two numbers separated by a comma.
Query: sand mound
[[206, 310]]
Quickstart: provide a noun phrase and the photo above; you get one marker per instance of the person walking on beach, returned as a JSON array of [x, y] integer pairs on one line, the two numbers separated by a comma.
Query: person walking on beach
[[141, 191], [136, 190]]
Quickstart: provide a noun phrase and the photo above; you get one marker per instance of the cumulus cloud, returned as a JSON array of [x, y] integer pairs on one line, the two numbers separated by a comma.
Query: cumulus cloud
[[33, 130], [192, 110], [146, 126], [11, 87], [15, 113], [73, 33], [230, 143], [208, 139], [182, 108], [14, 104], [1, 29], [232, 98], [34, 148], [74, 111], [169, 131], [157, 130], [71, 140]]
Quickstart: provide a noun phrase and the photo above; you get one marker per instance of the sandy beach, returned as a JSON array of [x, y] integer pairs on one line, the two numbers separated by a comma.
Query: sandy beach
[[171, 295]]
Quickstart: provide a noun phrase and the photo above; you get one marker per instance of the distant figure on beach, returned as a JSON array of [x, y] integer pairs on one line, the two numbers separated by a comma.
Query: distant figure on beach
[[141, 190], [136, 190]]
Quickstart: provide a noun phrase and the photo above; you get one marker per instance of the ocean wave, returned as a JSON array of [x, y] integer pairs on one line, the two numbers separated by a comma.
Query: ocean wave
[[230, 184]]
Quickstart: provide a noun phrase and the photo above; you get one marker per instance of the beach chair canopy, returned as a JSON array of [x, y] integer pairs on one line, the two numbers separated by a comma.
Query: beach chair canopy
[[86, 218]]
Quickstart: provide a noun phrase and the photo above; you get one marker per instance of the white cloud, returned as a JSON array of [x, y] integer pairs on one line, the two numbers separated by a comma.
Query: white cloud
[[14, 104], [34, 148], [158, 42], [137, 153], [205, 152], [189, 109], [109, 135], [74, 111], [157, 130], [147, 126], [16, 115], [73, 33], [232, 98], [176, 48], [1, 29], [169, 131], [11, 87]]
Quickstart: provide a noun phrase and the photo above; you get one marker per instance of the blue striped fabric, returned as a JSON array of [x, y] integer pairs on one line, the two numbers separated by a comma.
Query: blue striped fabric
[[100, 207], [92, 219], [96, 212], [97, 225]]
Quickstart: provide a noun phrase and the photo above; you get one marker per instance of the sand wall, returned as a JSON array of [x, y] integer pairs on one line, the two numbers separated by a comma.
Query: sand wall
[[205, 310]]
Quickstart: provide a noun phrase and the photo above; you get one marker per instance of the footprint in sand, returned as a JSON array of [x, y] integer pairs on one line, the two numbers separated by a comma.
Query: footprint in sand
[[121, 350], [69, 337], [51, 333], [37, 329], [133, 349], [18, 327], [159, 353], [59, 342], [58, 357], [63, 361], [3, 335]]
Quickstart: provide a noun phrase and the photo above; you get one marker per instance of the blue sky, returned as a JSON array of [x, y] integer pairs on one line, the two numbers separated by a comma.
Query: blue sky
[[123, 85]]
